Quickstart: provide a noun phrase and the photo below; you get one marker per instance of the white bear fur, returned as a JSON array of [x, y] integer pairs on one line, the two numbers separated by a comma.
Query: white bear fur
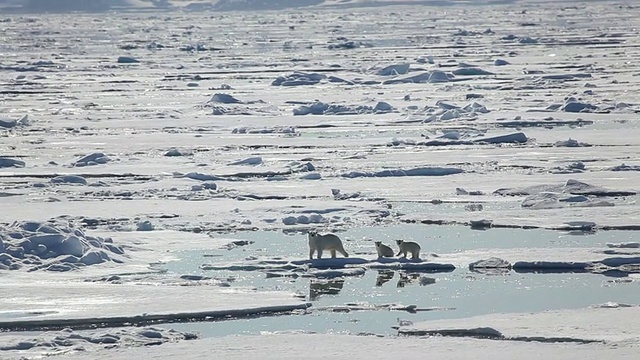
[[329, 242], [383, 250], [408, 247]]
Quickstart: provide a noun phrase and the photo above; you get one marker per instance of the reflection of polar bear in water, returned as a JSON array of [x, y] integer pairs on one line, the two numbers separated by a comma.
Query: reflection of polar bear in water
[[330, 242], [408, 247]]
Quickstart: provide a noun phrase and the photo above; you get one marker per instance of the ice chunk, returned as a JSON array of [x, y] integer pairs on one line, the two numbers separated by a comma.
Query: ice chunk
[[391, 70], [255, 160], [575, 106], [299, 78], [69, 179], [72, 245], [7, 162], [94, 257], [92, 159], [224, 99], [127, 60], [145, 225], [471, 71], [311, 176], [200, 176]]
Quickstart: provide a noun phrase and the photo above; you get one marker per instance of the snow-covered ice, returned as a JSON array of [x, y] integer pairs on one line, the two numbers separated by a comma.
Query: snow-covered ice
[[568, 334], [129, 140]]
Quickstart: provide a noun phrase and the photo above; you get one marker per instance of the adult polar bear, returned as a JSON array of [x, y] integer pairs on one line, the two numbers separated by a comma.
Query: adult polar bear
[[329, 242]]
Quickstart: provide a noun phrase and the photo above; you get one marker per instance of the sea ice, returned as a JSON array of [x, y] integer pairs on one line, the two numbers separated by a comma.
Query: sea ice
[[127, 60], [92, 159], [392, 70], [224, 99], [55, 246], [254, 160], [425, 171], [299, 78], [9, 163], [68, 179]]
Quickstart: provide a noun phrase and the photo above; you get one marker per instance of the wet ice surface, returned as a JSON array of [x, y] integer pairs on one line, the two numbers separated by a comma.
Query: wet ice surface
[[157, 131], [375, 302]]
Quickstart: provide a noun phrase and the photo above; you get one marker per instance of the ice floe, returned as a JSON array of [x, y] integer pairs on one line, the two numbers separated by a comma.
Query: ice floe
[[597, 324], [571, 186], [120, 304], [270, 346]]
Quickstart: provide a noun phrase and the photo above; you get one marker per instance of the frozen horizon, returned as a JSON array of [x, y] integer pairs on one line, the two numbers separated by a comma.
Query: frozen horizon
[[92, 6]]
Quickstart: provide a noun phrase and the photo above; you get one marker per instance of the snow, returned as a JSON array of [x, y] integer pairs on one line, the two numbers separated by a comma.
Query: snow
[[45, 303], [70, 341], [53, 246], [158, 134], [321, 346], [609, 324]]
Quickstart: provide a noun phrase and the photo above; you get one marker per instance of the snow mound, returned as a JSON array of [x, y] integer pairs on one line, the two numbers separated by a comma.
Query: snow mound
[[570, 143], [471, 71], [552, 200], [173, 152], [304, 219], [298, 79], [224, 99], [431, 77], [444, 111], [92, 159], [571, 186], [320, 108], [391, 70], [254, 160], [55, 245], [127, 60], [574, 106], [52, 343], [69, 179], [625, 167], [198, 176]]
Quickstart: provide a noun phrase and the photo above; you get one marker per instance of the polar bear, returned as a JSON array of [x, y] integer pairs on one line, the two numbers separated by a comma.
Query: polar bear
[[383, 250], [330, 242], [408, 247]]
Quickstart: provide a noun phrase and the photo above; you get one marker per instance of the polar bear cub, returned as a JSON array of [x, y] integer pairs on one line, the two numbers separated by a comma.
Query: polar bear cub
[[408, 247], [383, 250], [329, 242]]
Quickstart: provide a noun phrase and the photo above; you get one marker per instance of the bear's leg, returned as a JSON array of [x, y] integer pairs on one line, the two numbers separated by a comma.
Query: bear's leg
[[311, 251], [333, 253], [319, 253]]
